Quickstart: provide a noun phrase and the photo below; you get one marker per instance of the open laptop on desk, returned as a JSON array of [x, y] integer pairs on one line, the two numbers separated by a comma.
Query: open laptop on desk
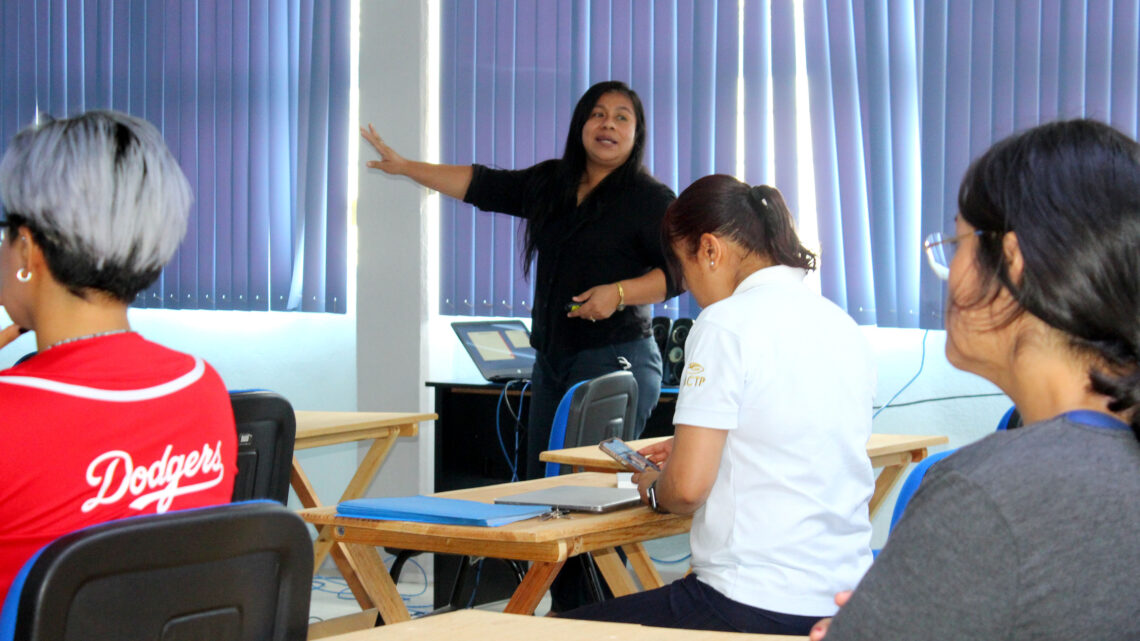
[[501, 349]]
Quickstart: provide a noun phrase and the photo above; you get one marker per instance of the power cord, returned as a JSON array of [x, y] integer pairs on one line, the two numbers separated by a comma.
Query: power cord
[[512, 462], [670, 562], [937, 399], [339, 587], [921, 364]]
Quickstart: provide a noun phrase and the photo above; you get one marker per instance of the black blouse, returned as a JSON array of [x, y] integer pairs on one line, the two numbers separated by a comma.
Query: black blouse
[[614, 234]]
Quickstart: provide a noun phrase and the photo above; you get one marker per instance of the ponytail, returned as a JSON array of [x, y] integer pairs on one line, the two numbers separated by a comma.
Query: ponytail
[[783, 245], [1123, 390], [755, 217]]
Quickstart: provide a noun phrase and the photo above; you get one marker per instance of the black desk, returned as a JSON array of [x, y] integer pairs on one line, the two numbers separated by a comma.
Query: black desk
[[467, 448], [468, 454]]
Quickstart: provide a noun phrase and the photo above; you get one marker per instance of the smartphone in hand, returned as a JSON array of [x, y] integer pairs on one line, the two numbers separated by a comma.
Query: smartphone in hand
[[633, 460]]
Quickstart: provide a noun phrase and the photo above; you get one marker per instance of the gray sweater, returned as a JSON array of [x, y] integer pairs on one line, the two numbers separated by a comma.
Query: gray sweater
[[1028, 534]]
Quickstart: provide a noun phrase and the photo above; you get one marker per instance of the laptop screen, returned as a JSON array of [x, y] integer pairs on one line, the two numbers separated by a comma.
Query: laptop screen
[[501, 349]]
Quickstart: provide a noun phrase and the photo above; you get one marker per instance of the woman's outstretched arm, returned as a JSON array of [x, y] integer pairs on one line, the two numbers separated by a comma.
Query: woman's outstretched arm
[[449, 180]]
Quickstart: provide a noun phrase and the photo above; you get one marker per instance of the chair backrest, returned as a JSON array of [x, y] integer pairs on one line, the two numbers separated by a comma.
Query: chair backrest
[[592, 411], [266, 429], [239, 571], [1010, 420], [910, 485]]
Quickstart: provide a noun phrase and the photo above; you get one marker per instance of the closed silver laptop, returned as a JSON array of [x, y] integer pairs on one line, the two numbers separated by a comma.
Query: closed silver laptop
[[576, 498]]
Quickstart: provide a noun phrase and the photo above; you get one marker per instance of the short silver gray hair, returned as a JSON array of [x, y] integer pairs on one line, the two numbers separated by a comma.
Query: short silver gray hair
[[103, 188]]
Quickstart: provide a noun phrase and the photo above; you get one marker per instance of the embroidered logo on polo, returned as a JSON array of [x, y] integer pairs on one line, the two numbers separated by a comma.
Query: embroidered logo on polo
[[116, 476], [693, 376]]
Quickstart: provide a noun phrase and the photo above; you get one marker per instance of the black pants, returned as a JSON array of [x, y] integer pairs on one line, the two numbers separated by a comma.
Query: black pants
[[689, 604]]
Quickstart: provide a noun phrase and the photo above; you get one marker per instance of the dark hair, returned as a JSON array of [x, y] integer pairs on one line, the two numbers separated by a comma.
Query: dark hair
[[756, 218], [564, 185], [1071, 192], [79, 271]]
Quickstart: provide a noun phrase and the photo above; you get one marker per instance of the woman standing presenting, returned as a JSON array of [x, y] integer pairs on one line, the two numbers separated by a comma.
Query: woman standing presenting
[[771, 428], [593, 221]]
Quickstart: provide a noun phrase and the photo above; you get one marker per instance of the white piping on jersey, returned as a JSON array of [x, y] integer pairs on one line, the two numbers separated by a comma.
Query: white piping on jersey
[[114, 396]]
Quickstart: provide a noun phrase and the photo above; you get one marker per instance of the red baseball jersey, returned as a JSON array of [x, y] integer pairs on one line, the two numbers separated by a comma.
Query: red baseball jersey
[[104, 428]]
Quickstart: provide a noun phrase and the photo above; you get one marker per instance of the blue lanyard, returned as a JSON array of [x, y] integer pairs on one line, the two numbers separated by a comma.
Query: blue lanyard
[[1096, 419]]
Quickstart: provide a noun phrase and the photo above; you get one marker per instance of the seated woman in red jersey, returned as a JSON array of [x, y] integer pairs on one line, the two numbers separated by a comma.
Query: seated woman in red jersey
[[100, 424]]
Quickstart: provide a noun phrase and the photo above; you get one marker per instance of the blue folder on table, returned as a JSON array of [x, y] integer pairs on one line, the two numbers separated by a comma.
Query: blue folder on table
[[435, 509]]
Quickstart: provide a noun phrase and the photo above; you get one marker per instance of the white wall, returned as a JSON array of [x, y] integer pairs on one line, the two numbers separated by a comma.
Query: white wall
[[898, 354], [391, 276]]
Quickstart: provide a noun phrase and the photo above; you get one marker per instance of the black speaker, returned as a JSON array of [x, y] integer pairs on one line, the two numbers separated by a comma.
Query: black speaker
[[675, 351], [660, 325]]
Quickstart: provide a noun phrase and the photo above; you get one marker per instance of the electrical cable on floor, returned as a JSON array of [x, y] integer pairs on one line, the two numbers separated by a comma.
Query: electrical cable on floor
[[338, 587], [670, 562]]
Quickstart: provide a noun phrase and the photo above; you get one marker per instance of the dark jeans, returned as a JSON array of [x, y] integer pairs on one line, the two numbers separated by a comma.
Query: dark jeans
[[551, 378], [689, 604]]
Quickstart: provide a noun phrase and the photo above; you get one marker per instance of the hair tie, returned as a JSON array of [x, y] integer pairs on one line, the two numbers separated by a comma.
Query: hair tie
[[758, 194]]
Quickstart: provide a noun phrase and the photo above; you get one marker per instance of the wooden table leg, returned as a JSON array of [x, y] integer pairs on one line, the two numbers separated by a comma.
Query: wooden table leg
[[366, 471], [370, 582], [534, 585], [888, 477], [643, 566], [359, 483], [612, 568], [308, 496]]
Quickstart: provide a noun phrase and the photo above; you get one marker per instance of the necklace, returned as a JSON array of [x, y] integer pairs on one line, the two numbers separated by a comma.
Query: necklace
[[86, 336]]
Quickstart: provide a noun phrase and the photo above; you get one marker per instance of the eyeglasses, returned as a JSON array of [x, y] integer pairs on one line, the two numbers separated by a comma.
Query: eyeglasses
[[940, 250]]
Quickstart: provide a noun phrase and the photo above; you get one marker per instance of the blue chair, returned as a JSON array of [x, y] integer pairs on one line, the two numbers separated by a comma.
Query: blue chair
[[910, 485], [1010, 420], [233, 572], [592, 411]]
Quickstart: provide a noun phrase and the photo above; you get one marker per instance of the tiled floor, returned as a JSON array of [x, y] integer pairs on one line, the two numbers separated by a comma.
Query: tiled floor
[[332, 598]]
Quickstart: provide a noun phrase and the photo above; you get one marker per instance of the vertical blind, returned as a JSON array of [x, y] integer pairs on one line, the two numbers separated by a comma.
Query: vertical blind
[[902, 95], [251, 96], [990, 68]]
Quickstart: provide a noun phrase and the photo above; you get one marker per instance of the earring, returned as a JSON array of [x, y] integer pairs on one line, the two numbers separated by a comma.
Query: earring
[[712, 263], [23, 275]]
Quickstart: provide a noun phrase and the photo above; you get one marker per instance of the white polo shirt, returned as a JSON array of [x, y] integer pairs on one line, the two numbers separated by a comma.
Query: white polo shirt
[[791, 377]]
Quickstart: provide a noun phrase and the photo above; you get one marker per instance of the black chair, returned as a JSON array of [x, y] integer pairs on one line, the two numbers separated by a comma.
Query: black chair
[[592, 411], [266, 430], [234, 572], [589, 412]]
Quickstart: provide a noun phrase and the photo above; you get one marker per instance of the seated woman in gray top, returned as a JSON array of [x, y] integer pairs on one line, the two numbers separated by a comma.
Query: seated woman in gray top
[[1031, 533]]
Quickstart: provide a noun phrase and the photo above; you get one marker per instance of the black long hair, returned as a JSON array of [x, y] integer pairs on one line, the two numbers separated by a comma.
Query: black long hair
[[1070, 190], [757, 218], [562, 187]]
